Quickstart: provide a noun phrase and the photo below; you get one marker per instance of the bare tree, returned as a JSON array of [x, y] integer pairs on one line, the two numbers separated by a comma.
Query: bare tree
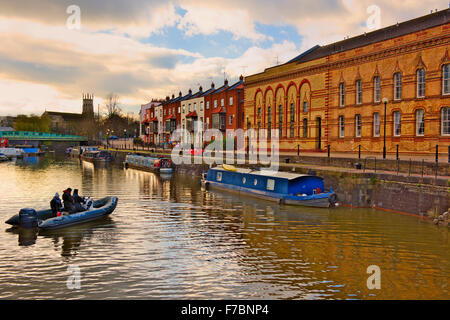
[[112, 105]]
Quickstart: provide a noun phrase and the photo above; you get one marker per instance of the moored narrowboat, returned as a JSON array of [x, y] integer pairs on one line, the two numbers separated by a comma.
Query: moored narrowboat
[[282, 187], [96, 156], [161, 165]]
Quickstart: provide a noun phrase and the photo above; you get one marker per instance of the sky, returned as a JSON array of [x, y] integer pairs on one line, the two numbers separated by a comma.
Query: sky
[[53, 52]]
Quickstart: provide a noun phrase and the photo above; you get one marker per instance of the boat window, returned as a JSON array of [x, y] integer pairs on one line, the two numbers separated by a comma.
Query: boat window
[[255, 182], [219, 176], [271, 184], [244, 180]]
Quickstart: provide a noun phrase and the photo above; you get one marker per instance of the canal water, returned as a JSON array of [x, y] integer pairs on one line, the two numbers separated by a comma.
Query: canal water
[[168, 239]]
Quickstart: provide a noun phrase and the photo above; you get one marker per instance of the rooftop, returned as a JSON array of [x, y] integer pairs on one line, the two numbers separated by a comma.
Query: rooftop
[[400, 29]]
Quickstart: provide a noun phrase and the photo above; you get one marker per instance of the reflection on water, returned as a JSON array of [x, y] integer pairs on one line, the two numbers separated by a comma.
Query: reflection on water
[[169, 239]]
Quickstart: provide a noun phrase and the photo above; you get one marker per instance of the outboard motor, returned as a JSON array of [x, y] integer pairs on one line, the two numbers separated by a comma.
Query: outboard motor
[[28, 218]]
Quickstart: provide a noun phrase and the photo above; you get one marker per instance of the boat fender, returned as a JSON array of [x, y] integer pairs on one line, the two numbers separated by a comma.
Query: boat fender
[[28, 218], [333, 199]]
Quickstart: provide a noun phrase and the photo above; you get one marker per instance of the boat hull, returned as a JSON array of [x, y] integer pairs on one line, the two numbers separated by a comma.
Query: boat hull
[[325, 200], [48, 221], [148, 169]]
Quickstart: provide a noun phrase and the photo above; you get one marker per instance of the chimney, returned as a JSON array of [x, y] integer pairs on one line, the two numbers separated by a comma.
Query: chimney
[[167, 98], [212, 85], [226, 82], [190, 91], [241, 78], [200, 89], [180, 94], [173, 96]]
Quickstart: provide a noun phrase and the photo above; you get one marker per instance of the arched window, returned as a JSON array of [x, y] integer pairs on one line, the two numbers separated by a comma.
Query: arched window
[[358, 86], [305, 107], [446, 79], [397, 123], [421, 83], [398, 86], [342, 94], [292, 120], [420, 122], [269, 121], [305, 128], [280, 120], [376, 124], [358, 126], [445, 121], [341, 127], [377, 89]]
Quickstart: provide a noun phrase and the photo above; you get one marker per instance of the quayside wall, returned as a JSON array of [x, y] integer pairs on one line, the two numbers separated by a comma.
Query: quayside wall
[[421, 196]]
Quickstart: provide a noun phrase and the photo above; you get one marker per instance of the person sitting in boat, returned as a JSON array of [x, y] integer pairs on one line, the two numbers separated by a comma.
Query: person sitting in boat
[[56, 204], [79, 201], [69, 203]]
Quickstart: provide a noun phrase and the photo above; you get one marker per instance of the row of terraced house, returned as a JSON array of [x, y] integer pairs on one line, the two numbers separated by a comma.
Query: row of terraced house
[[216, 108], [388, 88]]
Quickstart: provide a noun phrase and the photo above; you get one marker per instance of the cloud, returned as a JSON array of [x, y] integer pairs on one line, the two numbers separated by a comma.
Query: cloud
[[206, 20], [43, 63]]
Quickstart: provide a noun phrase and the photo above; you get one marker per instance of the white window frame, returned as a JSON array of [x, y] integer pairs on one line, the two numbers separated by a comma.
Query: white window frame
[[222, 102], [398, 86], [397, 123], [342, 94], [421, 83], [376, 124], [420, 115], [341, 127], [377, 89], [446, 79], [358, 126], [231, 101], [358, 86], [445, 121], [215, 104]]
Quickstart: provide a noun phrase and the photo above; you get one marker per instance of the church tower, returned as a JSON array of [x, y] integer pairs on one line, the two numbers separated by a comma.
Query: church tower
[[88, 105]]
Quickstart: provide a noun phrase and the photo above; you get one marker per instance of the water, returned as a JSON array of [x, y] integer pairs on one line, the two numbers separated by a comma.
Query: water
[[168, 239]]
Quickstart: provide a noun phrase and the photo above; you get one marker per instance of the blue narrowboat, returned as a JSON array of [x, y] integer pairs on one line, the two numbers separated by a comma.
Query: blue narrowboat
[[282, 187], [161, 165]]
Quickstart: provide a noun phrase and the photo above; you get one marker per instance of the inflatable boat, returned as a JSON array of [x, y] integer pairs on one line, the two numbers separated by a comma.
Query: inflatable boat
[[46, 220]]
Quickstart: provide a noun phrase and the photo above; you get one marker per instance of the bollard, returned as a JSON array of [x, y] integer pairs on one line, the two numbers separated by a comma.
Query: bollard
[[359, 152], [437, 153], [398, 157]]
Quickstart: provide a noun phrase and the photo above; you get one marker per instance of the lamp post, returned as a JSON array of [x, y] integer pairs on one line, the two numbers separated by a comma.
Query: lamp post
[[385, 101]]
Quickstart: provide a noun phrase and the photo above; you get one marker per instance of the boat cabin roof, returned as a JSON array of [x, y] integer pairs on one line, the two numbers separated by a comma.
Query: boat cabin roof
[[267, 173]]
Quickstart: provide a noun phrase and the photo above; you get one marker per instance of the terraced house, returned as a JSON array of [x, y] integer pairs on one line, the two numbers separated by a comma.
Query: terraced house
[[334, 94]]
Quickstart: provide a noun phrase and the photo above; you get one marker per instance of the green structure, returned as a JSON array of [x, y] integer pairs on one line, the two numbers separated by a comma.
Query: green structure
[[40, 136]]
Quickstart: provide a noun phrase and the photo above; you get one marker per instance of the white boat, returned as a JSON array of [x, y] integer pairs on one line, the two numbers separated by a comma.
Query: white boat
[[12, 152]]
